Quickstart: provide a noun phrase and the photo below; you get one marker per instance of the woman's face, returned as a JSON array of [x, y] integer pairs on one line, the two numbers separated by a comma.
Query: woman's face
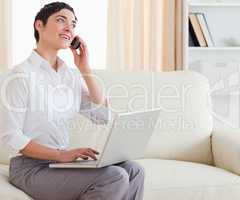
[[59, 30]]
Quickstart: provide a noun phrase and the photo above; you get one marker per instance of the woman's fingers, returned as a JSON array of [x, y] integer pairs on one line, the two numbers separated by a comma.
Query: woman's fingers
[[91, 154], [88, 152], [81, 40], [83, 45], [83, 156], [94, 151], [74, 51]]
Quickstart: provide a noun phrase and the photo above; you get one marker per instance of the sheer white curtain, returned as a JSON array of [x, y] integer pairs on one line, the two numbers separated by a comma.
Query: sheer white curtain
[[22, 29], [5, 34], [145, 35]]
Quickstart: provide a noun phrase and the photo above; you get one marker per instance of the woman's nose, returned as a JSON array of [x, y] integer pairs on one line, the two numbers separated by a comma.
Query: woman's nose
[[69, 27]]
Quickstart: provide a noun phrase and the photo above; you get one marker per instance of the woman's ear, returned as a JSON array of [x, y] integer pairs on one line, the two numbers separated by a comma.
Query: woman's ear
[[38, 25]]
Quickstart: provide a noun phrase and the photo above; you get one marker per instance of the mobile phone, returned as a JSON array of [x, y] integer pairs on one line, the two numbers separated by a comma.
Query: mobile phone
[[75, 44]]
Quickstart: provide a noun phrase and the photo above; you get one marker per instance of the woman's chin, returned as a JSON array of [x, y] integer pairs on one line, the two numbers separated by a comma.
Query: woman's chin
[[63, 46]]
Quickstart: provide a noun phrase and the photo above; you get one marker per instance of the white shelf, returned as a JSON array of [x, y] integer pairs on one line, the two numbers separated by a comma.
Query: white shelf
[[221, 62], [214, 48], [214, 4]]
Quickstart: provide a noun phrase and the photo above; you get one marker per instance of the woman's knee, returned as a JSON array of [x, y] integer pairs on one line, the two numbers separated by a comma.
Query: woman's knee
[[134, 169], [114, 175], [140, 169], [112, 184]]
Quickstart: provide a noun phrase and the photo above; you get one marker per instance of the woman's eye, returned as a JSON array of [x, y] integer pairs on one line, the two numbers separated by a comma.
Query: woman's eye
[[60, 20]]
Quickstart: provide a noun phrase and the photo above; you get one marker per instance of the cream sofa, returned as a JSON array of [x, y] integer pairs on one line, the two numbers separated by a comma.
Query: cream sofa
[[185, 159]]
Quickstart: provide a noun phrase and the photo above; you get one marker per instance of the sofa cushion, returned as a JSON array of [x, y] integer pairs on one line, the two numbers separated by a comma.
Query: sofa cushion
[[165, 179], [184, 126], [226, 148], [4, 156], [8, 191], [169, 179]]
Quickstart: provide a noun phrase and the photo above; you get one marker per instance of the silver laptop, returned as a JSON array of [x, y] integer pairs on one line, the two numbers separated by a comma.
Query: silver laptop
[[127, 137]]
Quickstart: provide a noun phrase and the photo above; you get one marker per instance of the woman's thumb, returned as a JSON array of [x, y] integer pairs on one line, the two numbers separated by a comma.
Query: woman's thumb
[[74, 51]]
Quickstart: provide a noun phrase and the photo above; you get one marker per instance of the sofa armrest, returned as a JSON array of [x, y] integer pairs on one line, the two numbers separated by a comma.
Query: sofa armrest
[[226, 149]]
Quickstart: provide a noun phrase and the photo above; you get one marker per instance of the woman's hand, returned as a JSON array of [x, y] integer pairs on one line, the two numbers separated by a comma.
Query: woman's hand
[[81, 57], [74, 154]]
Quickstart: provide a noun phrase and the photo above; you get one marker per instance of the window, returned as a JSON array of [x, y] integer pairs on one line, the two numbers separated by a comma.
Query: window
[[91, 26]]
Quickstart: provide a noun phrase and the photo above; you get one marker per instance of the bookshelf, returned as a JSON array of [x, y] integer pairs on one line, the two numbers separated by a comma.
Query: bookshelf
[[217, 5], [214, 49], [220, 63]]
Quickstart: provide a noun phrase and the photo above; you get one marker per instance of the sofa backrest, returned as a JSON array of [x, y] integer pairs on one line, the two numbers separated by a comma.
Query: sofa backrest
[[184, 126], [185, 123]]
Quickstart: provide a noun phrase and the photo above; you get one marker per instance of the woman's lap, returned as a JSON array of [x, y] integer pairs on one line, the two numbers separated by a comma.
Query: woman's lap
[[41, 182]]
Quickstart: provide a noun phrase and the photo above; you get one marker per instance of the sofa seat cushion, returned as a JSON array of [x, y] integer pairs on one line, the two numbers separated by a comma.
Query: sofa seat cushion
[[165, 179], [8, 191], [170, 179]]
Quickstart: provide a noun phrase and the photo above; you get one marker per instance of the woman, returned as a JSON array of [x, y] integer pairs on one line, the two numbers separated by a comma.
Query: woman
[[41, 92]]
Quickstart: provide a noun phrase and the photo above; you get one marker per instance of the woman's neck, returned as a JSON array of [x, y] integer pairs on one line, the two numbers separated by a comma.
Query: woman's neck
[[48, 54]]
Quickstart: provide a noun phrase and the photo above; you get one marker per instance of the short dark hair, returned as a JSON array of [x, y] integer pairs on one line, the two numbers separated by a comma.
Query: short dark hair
[[47, 11]]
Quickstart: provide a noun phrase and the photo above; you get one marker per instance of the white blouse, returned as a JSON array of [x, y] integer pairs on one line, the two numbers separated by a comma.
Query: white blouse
[[37, 102]]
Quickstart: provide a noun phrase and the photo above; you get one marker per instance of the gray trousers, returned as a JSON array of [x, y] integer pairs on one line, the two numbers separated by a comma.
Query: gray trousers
[[124, 181]]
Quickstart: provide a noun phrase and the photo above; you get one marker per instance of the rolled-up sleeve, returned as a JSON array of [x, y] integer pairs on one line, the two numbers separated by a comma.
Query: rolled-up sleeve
[[13, 108], [98, 114]]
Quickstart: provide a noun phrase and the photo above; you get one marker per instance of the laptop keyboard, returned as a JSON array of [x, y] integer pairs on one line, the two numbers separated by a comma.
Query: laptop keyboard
[[87, 161]]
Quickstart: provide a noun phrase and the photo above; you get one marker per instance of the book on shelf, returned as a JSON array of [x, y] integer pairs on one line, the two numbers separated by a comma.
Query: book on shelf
[[192, 38], [194, 23], [199, 32], [205, 29]]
